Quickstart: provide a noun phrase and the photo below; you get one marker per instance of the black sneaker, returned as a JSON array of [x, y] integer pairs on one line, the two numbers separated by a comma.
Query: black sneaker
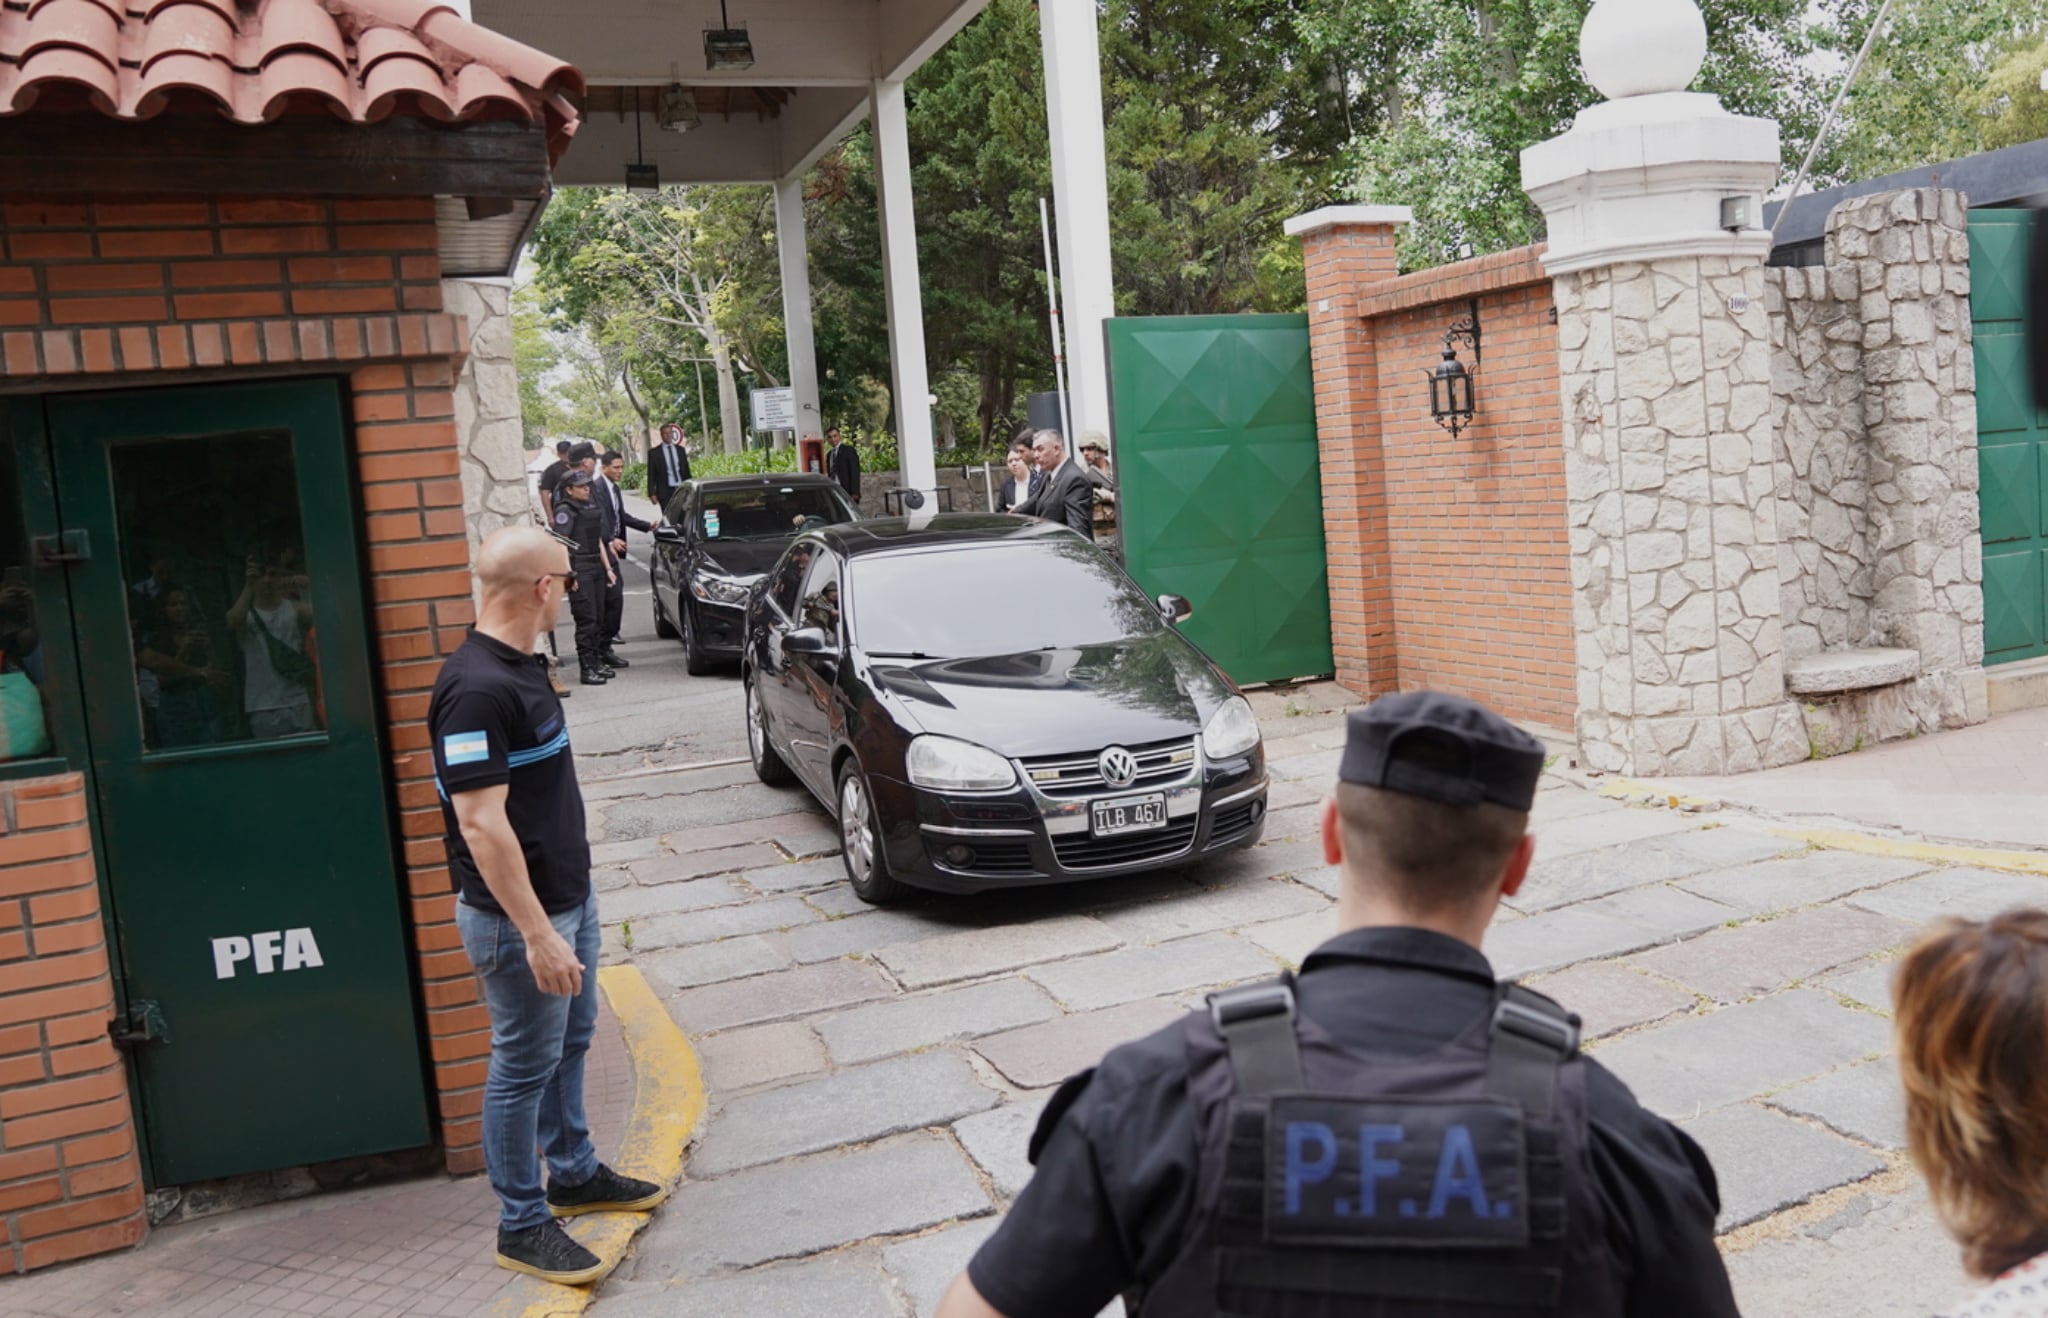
[[606, 1192], [612, 660], [549, 1252], [593, 677]]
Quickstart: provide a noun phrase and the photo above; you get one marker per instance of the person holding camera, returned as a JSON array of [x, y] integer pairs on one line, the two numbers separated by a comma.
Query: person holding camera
[[270, 619]]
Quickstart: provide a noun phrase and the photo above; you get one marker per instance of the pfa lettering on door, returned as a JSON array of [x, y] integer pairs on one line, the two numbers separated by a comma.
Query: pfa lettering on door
[[265, 953]]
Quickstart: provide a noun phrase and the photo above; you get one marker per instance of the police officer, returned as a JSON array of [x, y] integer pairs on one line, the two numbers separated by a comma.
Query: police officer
[[1390, 1133], [581, 522]]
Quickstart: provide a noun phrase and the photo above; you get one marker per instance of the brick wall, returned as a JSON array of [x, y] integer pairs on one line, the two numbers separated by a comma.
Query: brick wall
[[70, 1179], [1449, 558], [151, 292]]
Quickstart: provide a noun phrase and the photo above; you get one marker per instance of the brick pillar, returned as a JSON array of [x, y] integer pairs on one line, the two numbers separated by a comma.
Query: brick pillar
[[1346, 252], [70, 1179]]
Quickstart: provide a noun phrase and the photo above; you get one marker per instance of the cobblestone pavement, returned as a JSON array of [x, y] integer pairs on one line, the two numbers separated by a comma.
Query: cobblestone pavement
[[874, 1073]]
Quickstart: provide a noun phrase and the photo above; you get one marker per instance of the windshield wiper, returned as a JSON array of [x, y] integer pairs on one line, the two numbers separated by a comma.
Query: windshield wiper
[[900, 654]]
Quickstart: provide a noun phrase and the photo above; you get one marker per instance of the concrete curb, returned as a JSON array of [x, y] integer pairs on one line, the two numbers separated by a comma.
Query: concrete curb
[[668, 1102], [1842, 839]]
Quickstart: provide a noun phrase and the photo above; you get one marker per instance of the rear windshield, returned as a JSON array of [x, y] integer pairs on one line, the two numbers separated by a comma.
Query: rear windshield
[[770, 512], [985, 600]]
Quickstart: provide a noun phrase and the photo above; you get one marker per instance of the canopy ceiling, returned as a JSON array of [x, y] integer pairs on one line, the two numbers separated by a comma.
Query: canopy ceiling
[[813, 63]]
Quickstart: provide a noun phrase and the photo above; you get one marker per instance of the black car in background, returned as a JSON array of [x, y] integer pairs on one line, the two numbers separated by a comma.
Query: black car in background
[[989, 701], [722, 534]]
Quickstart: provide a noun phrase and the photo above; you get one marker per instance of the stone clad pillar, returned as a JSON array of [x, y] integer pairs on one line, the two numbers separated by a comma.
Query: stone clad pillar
[[1665, 368]]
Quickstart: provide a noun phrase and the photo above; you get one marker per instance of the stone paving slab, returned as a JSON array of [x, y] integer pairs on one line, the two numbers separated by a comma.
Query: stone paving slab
[[819, 1202], [1973, 894], [843, 900], [1558, 801], [1594, 831], [636, 902], [999, 1139], [618, 853], [1291, 940], [1876, 1256], [1729, 965], [1582, 875], [1870, 985], [1209, 910], [1316, 767], [1610, 997], [848, 1285], [867, 932], [853, 1106], [740, 1059], [1784, 885], [925, 1266], [778, 996], [711, 963], [696, 864], [1131, 973], [1864, 1101], [883, 1028], [1603, 927], [715, 922], [682, 821], [1765, 1161], [1045, 1054], [974, 953], [808, 843], [796, 875], [764, 828], [1701, 1062]]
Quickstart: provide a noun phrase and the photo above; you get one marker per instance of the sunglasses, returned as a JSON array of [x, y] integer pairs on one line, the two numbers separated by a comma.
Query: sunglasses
[[568, 579]]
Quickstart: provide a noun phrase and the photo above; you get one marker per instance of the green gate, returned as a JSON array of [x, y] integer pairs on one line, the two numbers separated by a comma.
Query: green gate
[[1219, 496], [2012, 442]]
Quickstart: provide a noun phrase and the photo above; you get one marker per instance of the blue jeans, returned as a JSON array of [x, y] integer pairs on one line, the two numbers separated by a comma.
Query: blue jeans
[[533, 1098]]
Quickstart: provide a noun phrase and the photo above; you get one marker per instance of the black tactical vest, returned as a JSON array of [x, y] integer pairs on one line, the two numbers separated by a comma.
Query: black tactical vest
[[1454, 1184]]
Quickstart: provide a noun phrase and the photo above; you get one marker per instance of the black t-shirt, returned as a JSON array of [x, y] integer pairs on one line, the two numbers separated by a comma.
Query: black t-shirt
[[1116, 1181], [551, 477], [494, 719]]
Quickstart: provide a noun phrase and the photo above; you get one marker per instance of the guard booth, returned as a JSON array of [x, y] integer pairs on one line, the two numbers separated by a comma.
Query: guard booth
[[232, 553]]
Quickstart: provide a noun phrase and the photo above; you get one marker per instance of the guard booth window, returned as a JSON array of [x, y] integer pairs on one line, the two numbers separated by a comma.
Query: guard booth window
[[220, 608], [24, 716]]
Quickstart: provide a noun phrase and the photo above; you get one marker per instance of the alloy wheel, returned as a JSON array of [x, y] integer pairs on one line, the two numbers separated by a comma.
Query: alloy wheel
[[856, 835]]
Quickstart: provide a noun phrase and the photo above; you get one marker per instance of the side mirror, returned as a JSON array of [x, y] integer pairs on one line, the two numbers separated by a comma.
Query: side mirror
[[668, 535], [1175, 608], [810, 640]]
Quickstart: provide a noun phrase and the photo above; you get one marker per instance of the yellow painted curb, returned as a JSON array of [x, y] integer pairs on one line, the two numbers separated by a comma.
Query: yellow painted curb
[[1628, 789], [1841, 839], [668, 1102]]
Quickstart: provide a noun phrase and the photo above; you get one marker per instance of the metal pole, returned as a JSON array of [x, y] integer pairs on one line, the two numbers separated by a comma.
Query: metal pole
[[988, 488], [1059, 356], [1828, 121]]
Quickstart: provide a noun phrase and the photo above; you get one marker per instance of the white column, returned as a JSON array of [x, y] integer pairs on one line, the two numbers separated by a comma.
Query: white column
[[902, 292], [791, 246], [1080, 185]]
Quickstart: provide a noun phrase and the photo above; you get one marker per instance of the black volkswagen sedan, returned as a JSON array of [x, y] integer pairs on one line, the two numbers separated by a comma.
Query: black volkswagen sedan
[[722, 534], [989, 702]]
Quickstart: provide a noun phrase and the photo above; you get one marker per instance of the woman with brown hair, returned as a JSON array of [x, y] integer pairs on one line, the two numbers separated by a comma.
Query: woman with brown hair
[[1971, 1023]]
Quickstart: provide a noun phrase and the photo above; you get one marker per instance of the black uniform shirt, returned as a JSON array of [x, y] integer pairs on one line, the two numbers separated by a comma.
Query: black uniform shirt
[[582, 522], [495, 719], [1115, 1185], [551, 477]]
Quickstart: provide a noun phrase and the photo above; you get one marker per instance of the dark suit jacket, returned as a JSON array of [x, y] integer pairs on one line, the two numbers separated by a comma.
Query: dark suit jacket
[[612, 500], [659, 486], [1005, 503], [1068, 498], [842, 463]]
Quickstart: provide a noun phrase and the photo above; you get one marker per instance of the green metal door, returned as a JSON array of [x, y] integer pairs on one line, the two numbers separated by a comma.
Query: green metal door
[[239, 779], [1219, 495], [2012, 442]]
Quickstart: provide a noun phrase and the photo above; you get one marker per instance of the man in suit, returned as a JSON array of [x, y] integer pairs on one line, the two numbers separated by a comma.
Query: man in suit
[[1067, 497], [668, 466], [842, 464], [611, 501]]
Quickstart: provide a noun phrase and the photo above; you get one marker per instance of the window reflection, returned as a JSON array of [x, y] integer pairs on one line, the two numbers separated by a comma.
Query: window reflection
[[24, 726], [219, 603]]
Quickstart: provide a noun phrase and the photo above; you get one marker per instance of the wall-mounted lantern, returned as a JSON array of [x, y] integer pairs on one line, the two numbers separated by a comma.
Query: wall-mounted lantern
[[1452, 397]]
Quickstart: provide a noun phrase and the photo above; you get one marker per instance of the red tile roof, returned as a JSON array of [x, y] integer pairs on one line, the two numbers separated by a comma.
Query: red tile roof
[[254, 60]]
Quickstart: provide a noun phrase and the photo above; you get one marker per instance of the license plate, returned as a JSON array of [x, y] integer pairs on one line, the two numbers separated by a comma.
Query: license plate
[[1128, 814]]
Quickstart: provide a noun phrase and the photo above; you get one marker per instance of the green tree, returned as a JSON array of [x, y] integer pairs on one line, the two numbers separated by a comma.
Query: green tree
[[2013, 102]]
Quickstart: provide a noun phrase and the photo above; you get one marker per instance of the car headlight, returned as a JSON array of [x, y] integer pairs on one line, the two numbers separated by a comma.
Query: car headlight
[[945, 764], [720, 590], [1232, 730]]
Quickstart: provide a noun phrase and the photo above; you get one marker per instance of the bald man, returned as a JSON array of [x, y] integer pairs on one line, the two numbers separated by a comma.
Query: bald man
[[525, 906]]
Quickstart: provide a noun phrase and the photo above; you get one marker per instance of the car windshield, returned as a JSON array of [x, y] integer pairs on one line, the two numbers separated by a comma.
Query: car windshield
[[770, 512], [994, 599]]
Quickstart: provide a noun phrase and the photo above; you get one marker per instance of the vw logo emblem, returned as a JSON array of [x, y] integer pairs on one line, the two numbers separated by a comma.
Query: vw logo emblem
[[1119, 768]]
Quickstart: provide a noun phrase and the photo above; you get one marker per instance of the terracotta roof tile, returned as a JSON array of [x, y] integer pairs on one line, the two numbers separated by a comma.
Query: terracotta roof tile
[[361, 60]]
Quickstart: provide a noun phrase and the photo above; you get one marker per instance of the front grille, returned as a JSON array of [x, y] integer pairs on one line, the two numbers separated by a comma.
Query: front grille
[[991, 856], [1231, 824], [1078, 851], [1066, 776]]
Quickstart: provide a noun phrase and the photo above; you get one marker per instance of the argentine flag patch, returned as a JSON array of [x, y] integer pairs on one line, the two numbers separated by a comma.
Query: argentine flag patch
[[465, 748]]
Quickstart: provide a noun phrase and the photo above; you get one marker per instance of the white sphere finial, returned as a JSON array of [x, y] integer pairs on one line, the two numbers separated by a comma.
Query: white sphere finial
[[1641, 47]]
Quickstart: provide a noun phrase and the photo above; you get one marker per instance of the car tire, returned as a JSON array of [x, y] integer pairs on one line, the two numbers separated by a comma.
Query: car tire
[[768, 765], [860, 842], [694, 661], [663, 628]]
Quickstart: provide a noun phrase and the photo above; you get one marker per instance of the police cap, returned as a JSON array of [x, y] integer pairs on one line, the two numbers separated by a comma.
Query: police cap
[[1444, 748], [578, 477]]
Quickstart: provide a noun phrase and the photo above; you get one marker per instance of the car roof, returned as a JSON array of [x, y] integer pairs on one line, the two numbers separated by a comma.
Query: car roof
[[880, 535], [761, 479]]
